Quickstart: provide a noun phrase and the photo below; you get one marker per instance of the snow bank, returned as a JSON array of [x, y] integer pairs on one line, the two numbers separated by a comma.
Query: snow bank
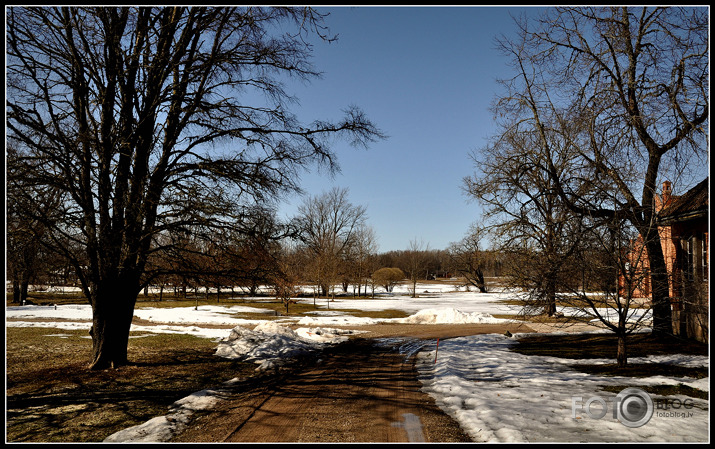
[[64, 312], [326, 335], [271, 345], [199, 315], [449, 316], [337, 320]]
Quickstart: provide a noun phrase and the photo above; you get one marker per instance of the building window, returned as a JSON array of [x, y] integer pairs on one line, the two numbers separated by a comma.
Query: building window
[[688, 269], [704, 259]]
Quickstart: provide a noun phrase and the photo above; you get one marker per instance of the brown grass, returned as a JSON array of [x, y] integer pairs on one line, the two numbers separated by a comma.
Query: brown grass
[[53, 397], [591, 346]]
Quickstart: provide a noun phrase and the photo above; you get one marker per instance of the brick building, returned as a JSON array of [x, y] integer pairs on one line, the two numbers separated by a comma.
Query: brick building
[[683, 229]]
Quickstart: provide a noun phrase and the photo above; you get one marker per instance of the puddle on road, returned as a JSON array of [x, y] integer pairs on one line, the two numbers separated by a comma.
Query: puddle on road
[[412, 426]]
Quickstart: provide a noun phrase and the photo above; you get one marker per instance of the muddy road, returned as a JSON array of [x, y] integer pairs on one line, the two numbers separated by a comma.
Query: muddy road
[[363, 390]]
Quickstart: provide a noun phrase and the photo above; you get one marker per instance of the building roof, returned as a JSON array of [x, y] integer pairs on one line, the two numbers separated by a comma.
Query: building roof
[[693, 204]]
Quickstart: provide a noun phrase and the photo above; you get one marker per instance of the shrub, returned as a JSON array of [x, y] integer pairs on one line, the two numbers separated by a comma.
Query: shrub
[[388, 277]]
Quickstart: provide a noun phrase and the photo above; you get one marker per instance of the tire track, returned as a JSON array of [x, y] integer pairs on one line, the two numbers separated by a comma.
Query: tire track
[[359, 392]]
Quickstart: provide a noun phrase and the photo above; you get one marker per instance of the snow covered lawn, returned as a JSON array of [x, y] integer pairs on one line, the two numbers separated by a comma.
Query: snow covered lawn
[[498, 395]]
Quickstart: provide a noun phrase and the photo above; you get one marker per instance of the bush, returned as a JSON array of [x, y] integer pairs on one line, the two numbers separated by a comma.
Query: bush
[[388, 277]]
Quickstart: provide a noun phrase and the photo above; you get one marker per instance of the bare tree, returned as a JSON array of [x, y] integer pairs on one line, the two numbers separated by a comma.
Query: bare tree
[[361, 260], [26, 238], [523, 209], [627, 90], [23, 245], [290, 267], [138, 116], [254, 255], [608, 255], [468, 258], [329, 227], [416, 258]]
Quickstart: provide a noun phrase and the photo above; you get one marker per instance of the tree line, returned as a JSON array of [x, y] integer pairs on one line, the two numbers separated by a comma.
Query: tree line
[[328, 247]]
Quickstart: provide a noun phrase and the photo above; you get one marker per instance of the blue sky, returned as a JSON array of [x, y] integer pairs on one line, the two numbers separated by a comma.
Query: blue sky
[[426, 77]]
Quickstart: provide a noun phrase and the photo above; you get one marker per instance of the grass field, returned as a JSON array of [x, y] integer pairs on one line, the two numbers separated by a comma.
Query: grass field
[[53, 397]]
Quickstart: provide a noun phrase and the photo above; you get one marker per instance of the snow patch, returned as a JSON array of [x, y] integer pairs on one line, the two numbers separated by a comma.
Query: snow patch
[[449, 316]]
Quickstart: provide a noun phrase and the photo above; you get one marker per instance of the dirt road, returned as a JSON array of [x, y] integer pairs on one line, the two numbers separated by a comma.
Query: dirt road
[[364, 390]]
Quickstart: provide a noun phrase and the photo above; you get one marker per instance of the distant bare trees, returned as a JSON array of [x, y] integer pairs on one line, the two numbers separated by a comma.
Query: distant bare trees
[[330, 227], [361, 261], [28, 238], [469, 258], [288, 276], [137, 116]]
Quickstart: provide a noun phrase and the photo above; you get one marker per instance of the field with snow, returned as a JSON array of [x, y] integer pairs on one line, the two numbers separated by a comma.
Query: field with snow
[[496, 395]]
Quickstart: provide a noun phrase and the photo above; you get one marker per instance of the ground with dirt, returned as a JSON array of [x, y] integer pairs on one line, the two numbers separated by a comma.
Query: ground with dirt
[[51, 396], [364, 390], [358, 391]]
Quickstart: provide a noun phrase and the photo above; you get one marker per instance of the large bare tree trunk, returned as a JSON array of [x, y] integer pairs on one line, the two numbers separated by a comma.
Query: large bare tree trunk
[[480, 284], [112, 313], [24, 286], [16, 291], [662, 313]]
